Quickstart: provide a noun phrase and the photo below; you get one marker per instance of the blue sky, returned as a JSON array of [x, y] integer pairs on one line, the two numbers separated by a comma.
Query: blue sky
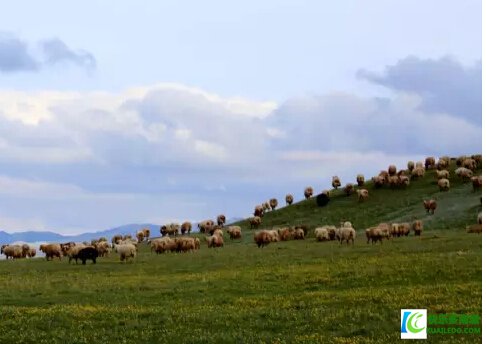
[[122, 112]]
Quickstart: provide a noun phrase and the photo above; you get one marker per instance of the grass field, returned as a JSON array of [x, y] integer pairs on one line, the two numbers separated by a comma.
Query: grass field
[[288, 292]]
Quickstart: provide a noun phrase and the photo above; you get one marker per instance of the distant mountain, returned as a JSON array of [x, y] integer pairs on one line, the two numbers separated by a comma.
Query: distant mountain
[[33, 236]]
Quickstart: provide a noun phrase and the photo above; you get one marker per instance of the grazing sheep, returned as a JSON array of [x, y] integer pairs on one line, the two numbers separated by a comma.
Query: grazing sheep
[[322, 200], [443, 184], [410, 166], [259, 210], [476, 228], [478, 158], [140, 236], [87, 253], [234, 232], [360, 179], [185, 244], [289, 199], [266, 206], [469, 163], [162, 245], [103, 248], [418, 172], [403, 180], [374, 234], [430, 205], [297, 234], [442, 174], [217, 231], [394, 232], [221, 220], [404, 228], [255, 221], [274, 235], [460, 160], [378, 181], [362, 195], [273, 203], [51, 250], [284, 234], [417, 227], [30, 251], [429, 162], [477, 182], [170, 229], [442, 164], [146, 233], [125, 237], [321, 234], [392, 170], [347, 233], [215, 241], [336, 182], [262, 238], [419, 164], [116, 239], [73, 251], [348, 189], [479, 219], [308, 192], [206, 226], [394, 181], [14, 251], [464, 173], [186, 227], [446, 159], [126, 251]]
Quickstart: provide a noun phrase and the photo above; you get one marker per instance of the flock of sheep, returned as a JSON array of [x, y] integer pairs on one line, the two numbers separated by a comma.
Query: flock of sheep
[[174, 239], [466, 166]]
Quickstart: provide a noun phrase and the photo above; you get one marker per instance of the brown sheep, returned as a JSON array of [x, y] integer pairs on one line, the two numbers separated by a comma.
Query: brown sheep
[[403, 180], [404, 228], [378, 181], [51, 251], [215, 241], [477, 182], [360, 179], [186, 227], [429, 162], [469, 163], [262, 238], [336, 182], [170, 229], [442, 165], [348, 189], [417, 227], [255, 222], [394, 181], [234, 232], [289, 199], [259, 210], [308, 192], [478, 158], [430, 205], [273, 203], [297, 234], [284, 234], [476, 228], [116, 239], [205, 226], [221, 220], [140, 236], [392, 170]]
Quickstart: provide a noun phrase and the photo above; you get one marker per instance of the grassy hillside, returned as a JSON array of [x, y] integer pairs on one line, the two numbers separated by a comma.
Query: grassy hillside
[[456, 208], [288, 292]]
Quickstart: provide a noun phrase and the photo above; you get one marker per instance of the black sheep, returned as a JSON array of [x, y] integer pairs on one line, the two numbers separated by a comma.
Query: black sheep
[[87, 253]]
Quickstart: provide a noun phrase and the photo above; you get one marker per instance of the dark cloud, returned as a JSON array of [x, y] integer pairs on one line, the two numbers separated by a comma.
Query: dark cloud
[[444, 84], [57, 51], [15, 55]]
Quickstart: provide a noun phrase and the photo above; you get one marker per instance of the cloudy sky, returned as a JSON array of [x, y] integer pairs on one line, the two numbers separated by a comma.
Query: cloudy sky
[[129, 112]]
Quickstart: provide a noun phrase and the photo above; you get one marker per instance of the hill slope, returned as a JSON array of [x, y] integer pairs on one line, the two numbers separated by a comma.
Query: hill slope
[[456, 208]]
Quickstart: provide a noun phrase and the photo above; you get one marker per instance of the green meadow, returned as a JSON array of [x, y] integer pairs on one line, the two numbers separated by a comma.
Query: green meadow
[[288, 292]]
